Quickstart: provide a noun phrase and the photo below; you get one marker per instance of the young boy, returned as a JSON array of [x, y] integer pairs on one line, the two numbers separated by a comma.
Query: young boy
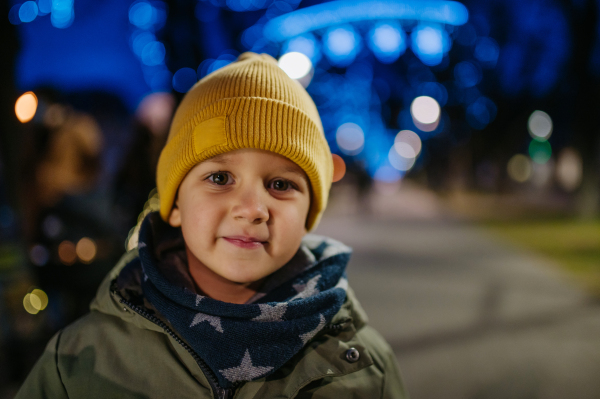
[[225, 296]]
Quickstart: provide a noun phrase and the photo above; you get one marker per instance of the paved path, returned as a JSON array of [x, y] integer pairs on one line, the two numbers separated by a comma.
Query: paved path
[[468, 316]]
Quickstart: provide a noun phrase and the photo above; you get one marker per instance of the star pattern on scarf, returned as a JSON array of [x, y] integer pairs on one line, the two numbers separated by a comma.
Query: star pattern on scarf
[[309, 335], [212, 320], [198, 299], [271, 313], [245, 371], [308, 289]]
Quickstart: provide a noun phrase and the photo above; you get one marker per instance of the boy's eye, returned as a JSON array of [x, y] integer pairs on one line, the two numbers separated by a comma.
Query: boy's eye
[[281, 185], [220, 178]]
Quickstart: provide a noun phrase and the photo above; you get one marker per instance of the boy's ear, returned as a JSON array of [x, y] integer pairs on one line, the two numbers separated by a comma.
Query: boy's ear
[[175, 216], [339, 168]]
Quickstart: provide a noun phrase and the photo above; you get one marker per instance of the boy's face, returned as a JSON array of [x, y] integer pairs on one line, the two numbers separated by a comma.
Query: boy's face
[[242, 213]]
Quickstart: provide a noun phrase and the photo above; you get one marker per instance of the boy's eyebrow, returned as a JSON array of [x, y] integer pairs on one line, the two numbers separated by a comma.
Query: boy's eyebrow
[[224, 159], [221, 158]]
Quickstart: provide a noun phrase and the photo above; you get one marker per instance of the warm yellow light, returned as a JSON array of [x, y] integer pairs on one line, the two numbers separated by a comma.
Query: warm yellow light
[[66, 252], [519, 168], [29, 307], [86, 250], [42, 297], [26, 106]]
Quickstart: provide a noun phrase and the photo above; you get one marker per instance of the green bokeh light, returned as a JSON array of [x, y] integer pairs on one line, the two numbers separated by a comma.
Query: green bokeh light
[[540, 151]]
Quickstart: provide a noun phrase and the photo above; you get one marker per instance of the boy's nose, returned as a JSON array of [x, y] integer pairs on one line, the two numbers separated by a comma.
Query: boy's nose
[[251, 206]]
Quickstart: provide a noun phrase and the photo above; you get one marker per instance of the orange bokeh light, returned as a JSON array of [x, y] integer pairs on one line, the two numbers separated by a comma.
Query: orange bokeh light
[[67, 253], [25, 107]]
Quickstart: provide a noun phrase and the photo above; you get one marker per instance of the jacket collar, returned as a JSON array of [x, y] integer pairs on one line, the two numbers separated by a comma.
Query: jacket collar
[[323, 356]]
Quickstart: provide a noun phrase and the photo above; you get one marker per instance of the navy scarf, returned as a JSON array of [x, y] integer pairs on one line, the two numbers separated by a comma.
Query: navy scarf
[[244, 342]]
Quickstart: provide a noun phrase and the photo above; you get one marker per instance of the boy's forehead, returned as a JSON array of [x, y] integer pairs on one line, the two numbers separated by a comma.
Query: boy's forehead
[[229, 158]]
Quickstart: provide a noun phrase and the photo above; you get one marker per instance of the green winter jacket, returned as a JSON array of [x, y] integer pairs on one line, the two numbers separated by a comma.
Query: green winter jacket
[[115, 352]]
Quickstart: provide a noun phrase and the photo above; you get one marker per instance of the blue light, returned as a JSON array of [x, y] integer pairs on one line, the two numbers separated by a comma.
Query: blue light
[[487, 51], [305, 44], [341, 45], [184, 79], [162, 81], [45, 6], [210, 65], [434, 90], [13, 14], [62, 13], [139, 41], [429, 43], [387, 174], [28, 11], [481, 113], [153, 53], [467, 74], [339, 12], [387, 41], [142, 15]]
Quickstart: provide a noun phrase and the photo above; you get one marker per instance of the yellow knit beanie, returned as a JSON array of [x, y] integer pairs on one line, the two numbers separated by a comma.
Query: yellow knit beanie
[[250, 103]]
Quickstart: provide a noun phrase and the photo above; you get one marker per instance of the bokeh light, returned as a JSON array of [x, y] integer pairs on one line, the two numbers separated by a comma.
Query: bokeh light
[[62, 13], [569, 169], [341, 45], [408, 142], [52, 226], [387, 41], [67, 253], [86, 250], [350, 138], [429, 43], [28, 11], [139, 39], [540, 151], [481, 113], [306, 44], [296, 65], [42, 299], [540, 125], [467, 74], [519, 168], [142, 15], [400, 162], [487, 51], [44, 6], [32, 304], [39, 255], [26, 106], [425, 112], [153, 53], [339, 168], [184, 79]]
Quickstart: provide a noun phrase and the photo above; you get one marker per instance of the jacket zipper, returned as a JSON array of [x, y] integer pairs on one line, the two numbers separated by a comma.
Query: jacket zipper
[[219, 393]]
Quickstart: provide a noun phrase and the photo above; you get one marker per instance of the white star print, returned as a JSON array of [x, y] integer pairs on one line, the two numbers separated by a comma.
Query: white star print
[[198, 299], [271, 313], [309, 335], [212, 320], [245, 371], [308, 289]]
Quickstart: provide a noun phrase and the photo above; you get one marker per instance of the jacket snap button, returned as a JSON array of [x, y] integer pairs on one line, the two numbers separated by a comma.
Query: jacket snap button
[[352, 355]]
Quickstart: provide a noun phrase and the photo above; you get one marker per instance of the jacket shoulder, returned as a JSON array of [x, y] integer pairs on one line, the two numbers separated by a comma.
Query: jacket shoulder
[[384, 359]]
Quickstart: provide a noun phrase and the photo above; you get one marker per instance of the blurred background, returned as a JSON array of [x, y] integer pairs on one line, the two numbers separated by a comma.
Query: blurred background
[[469, 132]]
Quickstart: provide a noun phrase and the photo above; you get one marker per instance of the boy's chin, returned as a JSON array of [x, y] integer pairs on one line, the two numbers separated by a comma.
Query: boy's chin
[[245, 274]]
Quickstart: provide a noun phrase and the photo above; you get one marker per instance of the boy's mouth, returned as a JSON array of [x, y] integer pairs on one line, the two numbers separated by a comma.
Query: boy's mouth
[[245, 242]]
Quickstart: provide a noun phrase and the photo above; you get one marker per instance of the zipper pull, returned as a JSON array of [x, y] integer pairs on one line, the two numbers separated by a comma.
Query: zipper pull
[[225, 393]]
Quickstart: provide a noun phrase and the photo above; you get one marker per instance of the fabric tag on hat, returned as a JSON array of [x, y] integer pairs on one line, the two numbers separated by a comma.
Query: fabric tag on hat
[[209, 133]]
